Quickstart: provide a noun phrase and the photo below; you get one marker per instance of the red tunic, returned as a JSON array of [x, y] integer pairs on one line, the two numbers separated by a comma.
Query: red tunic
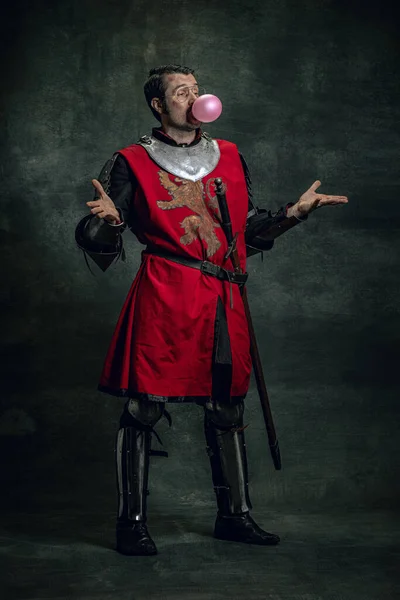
[[163, 341]]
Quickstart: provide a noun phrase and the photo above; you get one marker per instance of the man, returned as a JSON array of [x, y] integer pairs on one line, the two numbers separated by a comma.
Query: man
[[182, 334]]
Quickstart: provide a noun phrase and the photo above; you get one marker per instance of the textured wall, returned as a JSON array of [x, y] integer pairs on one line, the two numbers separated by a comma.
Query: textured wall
[[310, 90]]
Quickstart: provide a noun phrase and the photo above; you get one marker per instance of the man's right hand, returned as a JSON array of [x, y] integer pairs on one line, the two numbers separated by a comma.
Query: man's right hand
[[103, 207]]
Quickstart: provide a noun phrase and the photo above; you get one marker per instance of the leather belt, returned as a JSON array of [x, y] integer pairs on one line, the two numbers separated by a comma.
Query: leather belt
[[206, 267]]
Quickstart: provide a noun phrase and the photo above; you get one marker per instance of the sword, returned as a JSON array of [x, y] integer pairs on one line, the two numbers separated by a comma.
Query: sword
[[255, 356]]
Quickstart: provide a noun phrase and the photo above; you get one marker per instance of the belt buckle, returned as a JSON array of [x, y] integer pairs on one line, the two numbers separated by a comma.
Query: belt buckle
[[238, 278], [208, 268], [231, 276]]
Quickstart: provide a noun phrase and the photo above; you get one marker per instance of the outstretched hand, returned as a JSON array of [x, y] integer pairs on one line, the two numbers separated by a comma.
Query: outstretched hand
[[103, 207], [311, 200]]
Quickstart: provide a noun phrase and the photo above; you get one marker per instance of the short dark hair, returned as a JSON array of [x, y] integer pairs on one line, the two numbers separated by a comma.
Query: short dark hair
[[155, 87]]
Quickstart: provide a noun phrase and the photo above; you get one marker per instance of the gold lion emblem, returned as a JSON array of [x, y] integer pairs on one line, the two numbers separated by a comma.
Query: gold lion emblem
[[191, 194]]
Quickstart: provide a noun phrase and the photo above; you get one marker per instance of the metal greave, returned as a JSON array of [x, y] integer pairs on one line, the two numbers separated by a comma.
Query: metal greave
[[132, 463], [226, 449], [133, 458]]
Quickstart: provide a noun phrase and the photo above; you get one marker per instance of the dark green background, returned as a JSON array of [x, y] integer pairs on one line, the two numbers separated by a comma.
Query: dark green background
[[309, 90]]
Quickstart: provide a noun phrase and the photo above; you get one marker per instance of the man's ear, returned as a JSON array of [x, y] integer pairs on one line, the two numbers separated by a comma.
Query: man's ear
[[157, 105]]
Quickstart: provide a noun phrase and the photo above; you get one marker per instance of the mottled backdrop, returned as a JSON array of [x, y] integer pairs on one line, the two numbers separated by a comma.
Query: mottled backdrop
[[310, 90]]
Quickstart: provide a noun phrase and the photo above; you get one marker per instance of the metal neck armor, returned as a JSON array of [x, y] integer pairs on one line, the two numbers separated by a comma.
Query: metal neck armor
[[188, 162]]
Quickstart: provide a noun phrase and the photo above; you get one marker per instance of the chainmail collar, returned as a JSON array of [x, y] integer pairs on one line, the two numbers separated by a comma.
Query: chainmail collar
[[191, 162]]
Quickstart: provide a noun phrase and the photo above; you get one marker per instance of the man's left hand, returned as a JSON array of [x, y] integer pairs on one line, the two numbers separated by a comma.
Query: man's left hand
[[311, 200]]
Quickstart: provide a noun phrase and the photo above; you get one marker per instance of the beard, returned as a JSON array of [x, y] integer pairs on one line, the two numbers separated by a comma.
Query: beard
[[182, 125]]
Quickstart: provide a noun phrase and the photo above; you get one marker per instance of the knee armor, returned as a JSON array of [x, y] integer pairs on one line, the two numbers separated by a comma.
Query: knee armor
[[225, 416], [141, 414]]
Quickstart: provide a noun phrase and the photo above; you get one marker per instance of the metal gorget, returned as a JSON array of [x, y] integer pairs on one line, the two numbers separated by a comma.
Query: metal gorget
[[188, 162]]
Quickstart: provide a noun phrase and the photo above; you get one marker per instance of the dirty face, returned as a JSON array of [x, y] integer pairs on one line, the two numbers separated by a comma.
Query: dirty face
[[176, 110]]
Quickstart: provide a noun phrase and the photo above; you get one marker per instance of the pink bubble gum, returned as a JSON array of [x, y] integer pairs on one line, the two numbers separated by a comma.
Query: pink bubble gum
[[207, 108]]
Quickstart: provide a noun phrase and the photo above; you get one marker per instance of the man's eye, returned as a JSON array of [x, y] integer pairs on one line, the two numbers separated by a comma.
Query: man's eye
[[182, 94]]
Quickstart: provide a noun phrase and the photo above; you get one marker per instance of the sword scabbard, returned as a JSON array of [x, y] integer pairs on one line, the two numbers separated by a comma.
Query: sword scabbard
[[232, 253]]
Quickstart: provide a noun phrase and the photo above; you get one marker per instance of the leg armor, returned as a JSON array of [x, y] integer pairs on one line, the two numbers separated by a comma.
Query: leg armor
[[132, 457], [227, 452], [132, 466]]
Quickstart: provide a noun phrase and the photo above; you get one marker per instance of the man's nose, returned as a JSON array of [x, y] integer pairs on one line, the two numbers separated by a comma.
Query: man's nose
[[192, 97]]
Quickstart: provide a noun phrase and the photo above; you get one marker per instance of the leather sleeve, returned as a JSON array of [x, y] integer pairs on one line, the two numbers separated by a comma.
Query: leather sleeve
[[122, 187], [101, 240]]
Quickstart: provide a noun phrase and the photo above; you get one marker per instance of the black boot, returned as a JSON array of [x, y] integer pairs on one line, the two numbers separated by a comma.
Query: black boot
[[243, 528], [227, 452], [132, 463], [133, 539]]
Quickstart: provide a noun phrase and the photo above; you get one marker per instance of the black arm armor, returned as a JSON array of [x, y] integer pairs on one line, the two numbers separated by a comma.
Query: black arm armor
[[98, 238], [259, 221], [263, 228]]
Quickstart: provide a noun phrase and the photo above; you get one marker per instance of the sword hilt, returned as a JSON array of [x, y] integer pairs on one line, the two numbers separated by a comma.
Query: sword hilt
[[223, 209]]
